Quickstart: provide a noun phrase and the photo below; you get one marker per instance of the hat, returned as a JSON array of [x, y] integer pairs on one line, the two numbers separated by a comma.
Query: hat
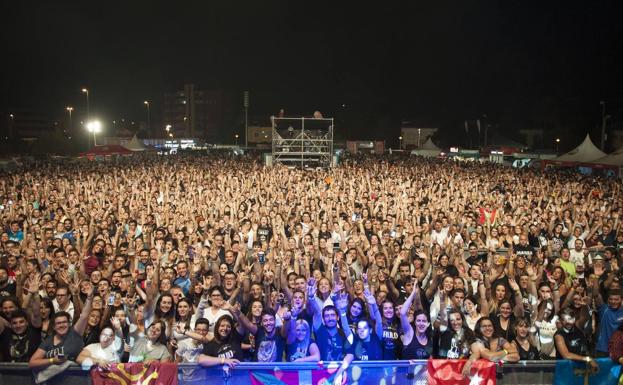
[[598, 257]]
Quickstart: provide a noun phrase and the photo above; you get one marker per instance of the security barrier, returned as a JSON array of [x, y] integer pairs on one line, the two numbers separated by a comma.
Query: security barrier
[[360, 372]]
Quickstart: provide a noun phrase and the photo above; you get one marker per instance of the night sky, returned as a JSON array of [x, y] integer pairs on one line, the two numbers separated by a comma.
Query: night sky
[[526, 64]]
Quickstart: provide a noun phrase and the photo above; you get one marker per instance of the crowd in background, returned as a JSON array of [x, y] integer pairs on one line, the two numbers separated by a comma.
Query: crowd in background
[[218, 260]]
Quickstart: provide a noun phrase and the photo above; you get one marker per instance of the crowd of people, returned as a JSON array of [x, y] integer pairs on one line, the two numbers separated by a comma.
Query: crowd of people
[[217, 260]]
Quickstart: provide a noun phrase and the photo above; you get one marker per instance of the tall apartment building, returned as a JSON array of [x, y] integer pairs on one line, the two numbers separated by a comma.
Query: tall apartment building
[[194, 113]]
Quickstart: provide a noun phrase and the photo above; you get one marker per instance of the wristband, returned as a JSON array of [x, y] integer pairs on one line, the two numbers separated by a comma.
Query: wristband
[[588, 359], [505, 352], [342, 314], [51, 361]]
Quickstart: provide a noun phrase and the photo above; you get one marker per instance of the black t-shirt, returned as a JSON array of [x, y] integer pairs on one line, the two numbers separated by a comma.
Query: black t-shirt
[[391, 341], [264, 233], [416, 351], [331, 348], [225, 349], [8, 290], [575, 340], [19, 348], [528, 355], [525, 251], [366, 350], [267, 348]]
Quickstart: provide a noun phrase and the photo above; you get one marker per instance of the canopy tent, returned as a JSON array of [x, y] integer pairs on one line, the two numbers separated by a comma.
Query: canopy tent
[[135, 145], [584, 153], [614, 159], [427, 149], [107, 150]]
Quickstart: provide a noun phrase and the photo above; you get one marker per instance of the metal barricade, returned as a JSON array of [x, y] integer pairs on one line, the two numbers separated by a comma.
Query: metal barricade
[[361, 372]]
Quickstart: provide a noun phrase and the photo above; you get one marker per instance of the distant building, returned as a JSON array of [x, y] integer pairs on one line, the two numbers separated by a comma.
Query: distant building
[[193, 113], [260, 134], [27, 123], [413, 137]]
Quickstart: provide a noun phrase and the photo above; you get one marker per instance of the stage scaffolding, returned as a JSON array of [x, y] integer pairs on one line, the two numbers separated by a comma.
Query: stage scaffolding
[[302, 142]]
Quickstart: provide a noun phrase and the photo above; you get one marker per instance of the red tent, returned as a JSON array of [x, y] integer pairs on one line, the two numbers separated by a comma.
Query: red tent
[[107, 150]]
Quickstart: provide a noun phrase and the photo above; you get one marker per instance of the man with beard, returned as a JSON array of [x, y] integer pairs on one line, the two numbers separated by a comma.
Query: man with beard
[[19, 338], [269, 340]]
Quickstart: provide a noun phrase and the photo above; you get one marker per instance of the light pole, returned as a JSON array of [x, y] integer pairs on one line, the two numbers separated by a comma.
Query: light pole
[[11, 125], [400, 143], [95, 127], [69, 109], [557, 143], [236, 136], [419, 134], [146, 103], [86, 91]]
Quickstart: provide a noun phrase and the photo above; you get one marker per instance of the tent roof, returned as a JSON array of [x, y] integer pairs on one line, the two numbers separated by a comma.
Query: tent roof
[[135, 145], [585, 152], [111, 149], [614, 159], [429, 145]]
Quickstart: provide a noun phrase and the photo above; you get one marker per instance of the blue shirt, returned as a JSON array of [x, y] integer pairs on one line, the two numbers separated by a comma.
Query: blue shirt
[[610, 319]]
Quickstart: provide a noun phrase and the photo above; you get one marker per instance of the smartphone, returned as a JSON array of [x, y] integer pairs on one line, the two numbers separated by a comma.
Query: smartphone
[[261, 257], [111, 299]]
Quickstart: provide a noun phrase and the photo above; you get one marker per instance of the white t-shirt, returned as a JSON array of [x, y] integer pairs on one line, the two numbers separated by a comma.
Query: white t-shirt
[[110, 354]]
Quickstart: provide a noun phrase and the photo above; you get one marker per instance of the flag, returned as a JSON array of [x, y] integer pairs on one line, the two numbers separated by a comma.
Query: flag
[[156, 373], [291, 377], [576, 373], [448, 372], [327, 375]]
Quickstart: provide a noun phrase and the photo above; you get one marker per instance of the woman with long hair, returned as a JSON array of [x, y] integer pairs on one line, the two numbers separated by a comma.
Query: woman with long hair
[[226, 346], [524, 341], [489, 346], [300, 347], [153, 346], [416, 341], [46, 309], [456, 340]]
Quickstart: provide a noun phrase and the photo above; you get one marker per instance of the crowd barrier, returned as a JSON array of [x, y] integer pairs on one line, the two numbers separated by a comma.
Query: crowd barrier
[[360, 372]]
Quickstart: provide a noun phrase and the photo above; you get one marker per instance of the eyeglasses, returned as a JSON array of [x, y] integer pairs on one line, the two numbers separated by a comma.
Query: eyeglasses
[[215, 295]]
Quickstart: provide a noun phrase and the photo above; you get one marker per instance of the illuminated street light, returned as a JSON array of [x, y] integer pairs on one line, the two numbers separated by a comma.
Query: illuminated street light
[[86, 91], [95, 127], [557, 143], [236, 136], [168, 127], [400, 139], [146, 103], [69, 109]]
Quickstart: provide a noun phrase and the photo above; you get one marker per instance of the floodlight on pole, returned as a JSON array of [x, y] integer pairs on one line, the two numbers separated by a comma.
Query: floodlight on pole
[[95, 127]]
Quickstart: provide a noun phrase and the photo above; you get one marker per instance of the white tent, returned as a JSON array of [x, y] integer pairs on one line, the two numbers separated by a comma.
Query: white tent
[[135, 145], [427, 149], [614, 159], [584, 153]]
